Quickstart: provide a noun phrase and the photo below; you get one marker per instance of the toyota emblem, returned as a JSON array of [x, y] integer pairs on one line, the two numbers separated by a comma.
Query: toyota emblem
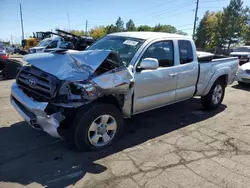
[[31, 82]]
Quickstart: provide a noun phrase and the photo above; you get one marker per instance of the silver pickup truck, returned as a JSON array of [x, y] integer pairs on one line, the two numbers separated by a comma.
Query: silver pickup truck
[[84, 96]]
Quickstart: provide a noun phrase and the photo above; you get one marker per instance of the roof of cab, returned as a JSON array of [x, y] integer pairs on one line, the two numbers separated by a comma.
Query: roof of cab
[[146, 35]]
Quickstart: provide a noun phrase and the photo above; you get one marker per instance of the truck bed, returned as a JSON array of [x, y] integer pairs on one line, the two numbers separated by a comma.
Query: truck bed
[[212, 66]]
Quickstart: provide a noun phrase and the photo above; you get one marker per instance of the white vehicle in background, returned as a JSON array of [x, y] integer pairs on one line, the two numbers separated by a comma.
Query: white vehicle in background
[[243, 74], [45, 44], [243, 53]]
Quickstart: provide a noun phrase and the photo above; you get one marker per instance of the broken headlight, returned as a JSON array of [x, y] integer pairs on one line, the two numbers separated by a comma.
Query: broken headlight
[[78, 90]]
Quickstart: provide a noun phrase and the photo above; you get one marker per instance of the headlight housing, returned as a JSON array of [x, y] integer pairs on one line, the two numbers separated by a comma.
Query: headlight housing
[[78, 90]]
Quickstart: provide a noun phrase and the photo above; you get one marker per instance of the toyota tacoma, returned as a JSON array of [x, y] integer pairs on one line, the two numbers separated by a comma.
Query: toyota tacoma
[[84, 96]]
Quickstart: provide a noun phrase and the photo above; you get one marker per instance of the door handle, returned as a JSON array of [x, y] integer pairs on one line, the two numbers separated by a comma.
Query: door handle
[[172, 75]]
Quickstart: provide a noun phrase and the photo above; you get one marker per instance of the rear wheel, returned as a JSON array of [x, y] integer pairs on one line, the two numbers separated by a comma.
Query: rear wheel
[[215, 96], [96, 126]]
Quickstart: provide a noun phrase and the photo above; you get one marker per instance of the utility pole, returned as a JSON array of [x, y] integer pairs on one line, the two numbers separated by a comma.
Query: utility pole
[[68, 20], [21, 14], [86, 28], [195, 18], [11, 40]]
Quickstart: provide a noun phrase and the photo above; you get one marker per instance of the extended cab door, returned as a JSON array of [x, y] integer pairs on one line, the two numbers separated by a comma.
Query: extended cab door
[[187, 70], [155, 88]]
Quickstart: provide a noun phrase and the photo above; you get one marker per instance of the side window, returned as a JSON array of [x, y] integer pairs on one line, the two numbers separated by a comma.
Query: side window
[[185, 51], [162, 51], [52, 44]]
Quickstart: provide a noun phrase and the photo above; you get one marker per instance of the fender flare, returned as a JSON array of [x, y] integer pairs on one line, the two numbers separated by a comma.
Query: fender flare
[[220, 72]]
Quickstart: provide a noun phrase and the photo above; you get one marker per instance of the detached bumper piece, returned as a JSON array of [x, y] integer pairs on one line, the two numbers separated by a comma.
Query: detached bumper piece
[[33, 112]]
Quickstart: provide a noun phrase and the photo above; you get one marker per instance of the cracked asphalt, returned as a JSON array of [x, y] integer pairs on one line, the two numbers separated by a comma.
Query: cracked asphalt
[[175, 146]]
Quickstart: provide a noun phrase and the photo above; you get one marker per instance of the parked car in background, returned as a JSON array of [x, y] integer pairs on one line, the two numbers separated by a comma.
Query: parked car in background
[[10, 49], [8, 67], [243, 53], [3, 54], [83, 96], [243, 74]]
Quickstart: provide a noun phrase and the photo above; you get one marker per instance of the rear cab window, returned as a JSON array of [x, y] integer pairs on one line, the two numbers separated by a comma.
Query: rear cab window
[[185, 51]]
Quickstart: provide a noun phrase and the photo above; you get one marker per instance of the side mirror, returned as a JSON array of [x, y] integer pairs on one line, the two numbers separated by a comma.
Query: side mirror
[[149, 63]]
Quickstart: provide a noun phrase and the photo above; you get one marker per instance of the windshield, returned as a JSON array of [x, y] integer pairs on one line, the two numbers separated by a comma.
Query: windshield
[[242, 49], [124, 46], [44, 43]]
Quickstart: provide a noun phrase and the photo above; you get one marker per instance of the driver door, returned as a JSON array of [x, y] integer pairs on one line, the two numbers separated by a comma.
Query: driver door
[[156, 88]]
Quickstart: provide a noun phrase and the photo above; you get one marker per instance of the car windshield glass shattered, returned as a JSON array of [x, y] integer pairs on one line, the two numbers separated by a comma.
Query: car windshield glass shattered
[[242, 49], [124, 46], [44, 43]]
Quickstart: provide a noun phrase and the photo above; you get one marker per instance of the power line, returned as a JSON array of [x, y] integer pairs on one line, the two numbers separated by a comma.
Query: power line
[[208, 1], [187, 29], [209, 7], [150, 8], [183, 25], [165, 11], [158, 13]]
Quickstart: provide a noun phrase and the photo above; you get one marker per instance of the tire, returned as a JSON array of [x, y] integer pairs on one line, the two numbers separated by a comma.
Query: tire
[[242, 83], [209, 102], [11, 68], [80, 133]]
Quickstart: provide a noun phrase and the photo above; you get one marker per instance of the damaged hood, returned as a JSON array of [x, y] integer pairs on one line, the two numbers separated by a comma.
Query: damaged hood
[[69, 65]]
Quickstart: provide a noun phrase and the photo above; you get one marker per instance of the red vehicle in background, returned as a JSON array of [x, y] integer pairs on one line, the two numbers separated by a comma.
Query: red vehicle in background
[[8, 67], [3, 54]]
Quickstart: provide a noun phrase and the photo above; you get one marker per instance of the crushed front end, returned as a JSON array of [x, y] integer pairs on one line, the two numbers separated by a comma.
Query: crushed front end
[[51, 88]]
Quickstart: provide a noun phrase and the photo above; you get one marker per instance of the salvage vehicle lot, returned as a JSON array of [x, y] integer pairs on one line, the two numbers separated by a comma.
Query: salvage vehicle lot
[[176, 146]]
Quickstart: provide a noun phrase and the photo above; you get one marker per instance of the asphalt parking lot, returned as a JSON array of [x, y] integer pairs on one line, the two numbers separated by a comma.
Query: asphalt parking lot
[[175, 146]]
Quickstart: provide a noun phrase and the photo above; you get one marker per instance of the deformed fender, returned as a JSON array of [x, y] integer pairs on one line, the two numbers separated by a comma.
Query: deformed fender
[[115, 81], [218, 73]]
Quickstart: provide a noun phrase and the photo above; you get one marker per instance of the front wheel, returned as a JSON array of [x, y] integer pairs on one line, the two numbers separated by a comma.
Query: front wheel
[[96, 126], [215, 96], [242, 83]]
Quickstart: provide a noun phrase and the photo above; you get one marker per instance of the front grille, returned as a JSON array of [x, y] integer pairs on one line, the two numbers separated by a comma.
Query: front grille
[[37, 84]]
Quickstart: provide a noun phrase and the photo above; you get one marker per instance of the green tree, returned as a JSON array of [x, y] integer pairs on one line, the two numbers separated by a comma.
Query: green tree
[[234, 19], [78, 32], [246, 35], [111, 29], [219, 31], [119, 25], [165, 28], [181, 32], [98, 32], [130, 25], [205, 30], [144, 28]]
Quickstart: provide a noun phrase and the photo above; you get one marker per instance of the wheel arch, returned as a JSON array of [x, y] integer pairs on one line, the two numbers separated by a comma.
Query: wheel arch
[[221, 75], [116, 100]]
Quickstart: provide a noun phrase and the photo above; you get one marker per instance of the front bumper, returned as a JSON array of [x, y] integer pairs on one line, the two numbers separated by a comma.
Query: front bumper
[[33, 112], [243, 77]]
